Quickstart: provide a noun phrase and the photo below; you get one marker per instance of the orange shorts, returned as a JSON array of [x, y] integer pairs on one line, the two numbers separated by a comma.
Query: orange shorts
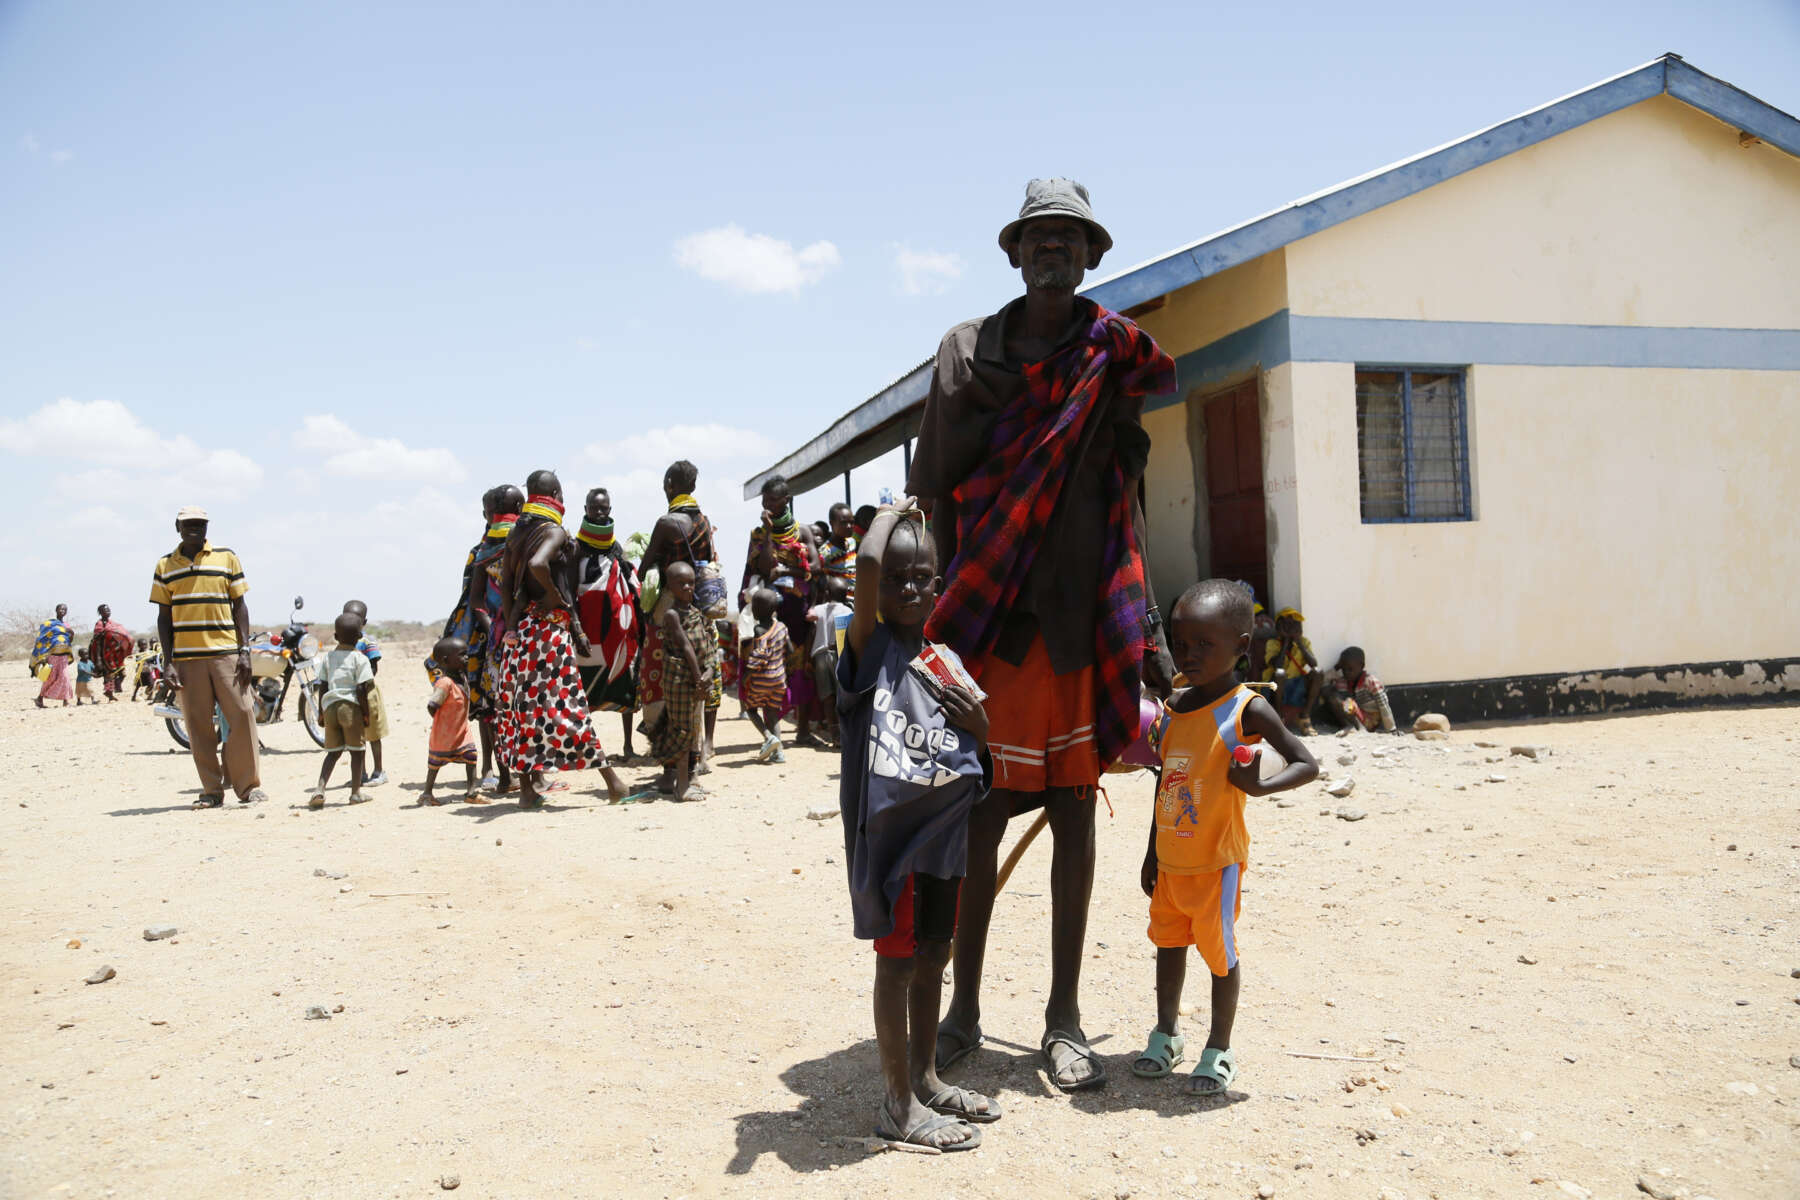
[[1199, 911], [1040, 724]]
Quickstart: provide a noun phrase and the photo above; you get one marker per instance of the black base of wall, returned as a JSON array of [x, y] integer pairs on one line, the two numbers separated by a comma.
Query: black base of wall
[[1684, 685]]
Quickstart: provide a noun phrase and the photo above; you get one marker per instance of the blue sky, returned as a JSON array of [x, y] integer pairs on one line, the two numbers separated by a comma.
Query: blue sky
[[333, 270]]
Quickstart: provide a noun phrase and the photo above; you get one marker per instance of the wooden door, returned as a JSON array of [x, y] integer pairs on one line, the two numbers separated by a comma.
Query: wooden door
[[1236, 518]]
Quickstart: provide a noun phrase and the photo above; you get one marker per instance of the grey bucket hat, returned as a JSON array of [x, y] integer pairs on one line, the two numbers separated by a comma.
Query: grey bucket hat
[[1056, 198]]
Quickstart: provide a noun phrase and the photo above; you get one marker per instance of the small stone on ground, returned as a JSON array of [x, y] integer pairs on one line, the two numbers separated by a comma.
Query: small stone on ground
[[101, 975]]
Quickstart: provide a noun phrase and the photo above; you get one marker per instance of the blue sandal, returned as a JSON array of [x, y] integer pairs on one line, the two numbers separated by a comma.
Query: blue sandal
[[1164, 1053], [1213, 1073]]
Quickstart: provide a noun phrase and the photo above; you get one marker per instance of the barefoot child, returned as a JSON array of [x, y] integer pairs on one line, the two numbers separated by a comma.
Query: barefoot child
[[370, 649], [1355, 697], [346, 681], [690, 652], [143, 670], [449, 709], [912, 771], [1198, 839], [84, 678], [764, 693], [830, 623]]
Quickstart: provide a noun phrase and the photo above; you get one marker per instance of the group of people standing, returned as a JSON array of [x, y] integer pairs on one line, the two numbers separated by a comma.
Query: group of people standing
[[66, 673], [554, 626]]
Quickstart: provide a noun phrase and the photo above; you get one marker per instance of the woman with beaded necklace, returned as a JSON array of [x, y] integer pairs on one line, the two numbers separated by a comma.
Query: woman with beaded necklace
[[543, 722]]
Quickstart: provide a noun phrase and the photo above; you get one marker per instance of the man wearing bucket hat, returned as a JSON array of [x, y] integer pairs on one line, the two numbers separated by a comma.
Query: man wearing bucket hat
[[1029, 455], [204, 625]]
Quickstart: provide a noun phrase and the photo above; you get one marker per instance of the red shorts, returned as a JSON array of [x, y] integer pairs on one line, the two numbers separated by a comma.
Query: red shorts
[[930, 909], [1040, 724]]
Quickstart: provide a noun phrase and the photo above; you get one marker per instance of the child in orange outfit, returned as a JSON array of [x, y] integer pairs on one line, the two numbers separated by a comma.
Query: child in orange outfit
[[449, 709], [1199, 843]]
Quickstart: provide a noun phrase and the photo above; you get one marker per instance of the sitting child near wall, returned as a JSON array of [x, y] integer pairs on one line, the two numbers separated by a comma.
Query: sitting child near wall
[[1354, 697], [1289, 663]]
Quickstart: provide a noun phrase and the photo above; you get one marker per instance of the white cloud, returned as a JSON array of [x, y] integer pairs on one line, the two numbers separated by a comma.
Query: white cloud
[[358, 456], [754, 262], [102, 431], [31, 145], [697, 443], [926, 272], [122, 458]]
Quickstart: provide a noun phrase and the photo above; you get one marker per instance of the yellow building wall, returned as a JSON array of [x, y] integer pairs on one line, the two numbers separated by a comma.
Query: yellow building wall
[[1204, 312], [1194, 316], [1281, 417], [1625, 517], [1653, 215], [1169, 505]]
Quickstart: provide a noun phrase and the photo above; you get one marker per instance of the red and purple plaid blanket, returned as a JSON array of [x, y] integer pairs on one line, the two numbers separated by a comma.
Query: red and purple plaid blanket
[[1004, 508]]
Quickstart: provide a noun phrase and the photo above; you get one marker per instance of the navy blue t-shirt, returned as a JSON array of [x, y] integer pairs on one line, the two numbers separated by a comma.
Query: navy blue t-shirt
[[908, 782]]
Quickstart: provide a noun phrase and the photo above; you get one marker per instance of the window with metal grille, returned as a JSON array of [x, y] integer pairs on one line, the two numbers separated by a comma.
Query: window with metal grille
[[1412, 444]]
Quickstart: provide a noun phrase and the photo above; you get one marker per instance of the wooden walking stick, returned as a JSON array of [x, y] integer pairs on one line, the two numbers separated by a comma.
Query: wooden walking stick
[[1012, 860], [1018, 851]]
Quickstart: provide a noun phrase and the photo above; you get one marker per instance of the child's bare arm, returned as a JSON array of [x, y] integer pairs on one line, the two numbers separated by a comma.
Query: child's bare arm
[[1147, 874], [1260, 719], [868, 574], [477, 594], [362, 697]]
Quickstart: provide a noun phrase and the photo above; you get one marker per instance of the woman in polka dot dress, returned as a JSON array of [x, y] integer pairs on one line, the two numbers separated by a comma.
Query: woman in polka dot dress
[[543, 715]]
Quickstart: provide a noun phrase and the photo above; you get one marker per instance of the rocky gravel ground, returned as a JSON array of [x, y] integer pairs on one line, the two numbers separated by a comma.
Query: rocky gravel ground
[[1555, 959]]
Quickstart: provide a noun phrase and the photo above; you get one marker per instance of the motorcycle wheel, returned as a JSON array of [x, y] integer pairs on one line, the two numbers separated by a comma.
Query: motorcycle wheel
[[178, 731], [311, 717]]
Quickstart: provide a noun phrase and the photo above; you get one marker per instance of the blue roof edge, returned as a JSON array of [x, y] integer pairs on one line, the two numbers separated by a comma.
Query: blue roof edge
[[1669, 74], [1732, 105]]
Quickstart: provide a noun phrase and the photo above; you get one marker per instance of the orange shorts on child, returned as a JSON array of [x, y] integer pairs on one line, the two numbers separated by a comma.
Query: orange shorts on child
[[1040, 724], [1199, 911]]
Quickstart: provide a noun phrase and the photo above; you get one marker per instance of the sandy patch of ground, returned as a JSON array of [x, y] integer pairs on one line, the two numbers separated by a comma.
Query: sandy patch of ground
[[665, 1000]]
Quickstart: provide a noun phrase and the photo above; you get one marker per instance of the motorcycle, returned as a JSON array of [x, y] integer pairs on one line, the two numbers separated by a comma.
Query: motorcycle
[[278, 664]]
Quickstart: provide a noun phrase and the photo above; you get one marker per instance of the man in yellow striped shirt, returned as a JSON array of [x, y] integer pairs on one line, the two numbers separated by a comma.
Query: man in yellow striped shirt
[[204, 625]]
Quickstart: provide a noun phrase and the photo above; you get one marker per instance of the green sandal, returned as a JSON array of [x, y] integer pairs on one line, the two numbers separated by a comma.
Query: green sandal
[[1216, 1068], [1163, 1052]]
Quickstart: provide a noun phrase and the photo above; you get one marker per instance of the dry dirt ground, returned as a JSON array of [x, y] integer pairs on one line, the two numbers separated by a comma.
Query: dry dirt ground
[[1550, 985]]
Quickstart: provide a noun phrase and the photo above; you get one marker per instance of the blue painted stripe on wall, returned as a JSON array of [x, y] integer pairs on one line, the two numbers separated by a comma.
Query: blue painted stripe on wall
[[1265, 343], [1283, 337], [1356, 339]]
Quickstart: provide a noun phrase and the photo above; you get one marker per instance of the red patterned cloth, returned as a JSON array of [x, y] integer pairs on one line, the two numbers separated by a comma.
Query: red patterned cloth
[[543, 714], [1004, 508]]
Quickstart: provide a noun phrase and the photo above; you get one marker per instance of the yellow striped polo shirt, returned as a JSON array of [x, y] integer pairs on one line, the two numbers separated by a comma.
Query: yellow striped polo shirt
[[199, 592]]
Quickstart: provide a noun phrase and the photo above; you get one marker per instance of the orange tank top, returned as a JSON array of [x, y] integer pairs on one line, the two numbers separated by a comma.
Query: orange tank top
[[1199, 814]]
